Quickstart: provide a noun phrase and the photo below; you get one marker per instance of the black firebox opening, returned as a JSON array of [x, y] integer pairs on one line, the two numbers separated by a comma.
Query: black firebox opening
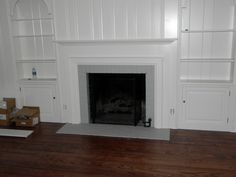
[[117, 98]]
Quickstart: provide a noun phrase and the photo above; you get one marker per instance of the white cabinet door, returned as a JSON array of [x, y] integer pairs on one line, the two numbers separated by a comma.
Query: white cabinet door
[[43, 96], [205, 108]]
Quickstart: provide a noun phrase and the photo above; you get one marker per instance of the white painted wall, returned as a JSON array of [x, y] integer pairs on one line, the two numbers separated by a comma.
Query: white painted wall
[[7, 63], [115, 19]]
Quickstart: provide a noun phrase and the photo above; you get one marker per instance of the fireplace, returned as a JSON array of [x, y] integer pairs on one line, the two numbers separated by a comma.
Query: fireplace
[[116, 98], [134, 98]]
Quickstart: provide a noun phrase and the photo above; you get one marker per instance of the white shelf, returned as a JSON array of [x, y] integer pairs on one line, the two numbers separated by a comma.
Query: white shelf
[[38, 35], [199, 81], [227, 60], [37, 61], [31, 19], [38, 80], [208, 31]]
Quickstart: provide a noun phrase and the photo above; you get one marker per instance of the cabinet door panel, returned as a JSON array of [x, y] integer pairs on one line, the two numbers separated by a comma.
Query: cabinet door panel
[[205, 108], [42, 96]]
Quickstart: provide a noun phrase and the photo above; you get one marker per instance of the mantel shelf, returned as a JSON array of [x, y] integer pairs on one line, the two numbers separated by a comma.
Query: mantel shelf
[[119, 41]]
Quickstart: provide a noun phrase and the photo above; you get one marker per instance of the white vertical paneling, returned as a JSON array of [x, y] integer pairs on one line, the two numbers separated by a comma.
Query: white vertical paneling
[[67, 19], [207, 45], [156, 16], [194, 70], [222, 44], [7, 65], [60, 19], [72, 15], [121, 19], [171, 11], [108, 19], [76, 18], [209, 14], [132, 19], [205, 71], [185, 45], [97, 20], [39, 47], [91, 15], [195, 46], [84, 20], [185, 14], [196, 15], [224, 11], [184, 71], [49, 50], [220, 71], [114, 19], [143, 18]]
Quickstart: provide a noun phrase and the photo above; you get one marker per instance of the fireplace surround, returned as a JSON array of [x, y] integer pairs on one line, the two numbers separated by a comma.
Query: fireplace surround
[[85, 70], [160, 54]]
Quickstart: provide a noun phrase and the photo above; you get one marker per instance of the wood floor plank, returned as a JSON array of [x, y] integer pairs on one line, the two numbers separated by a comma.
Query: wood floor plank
[[187, 154]]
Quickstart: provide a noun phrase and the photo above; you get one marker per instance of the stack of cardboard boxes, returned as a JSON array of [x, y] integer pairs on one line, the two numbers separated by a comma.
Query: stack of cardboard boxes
[[28, 116]]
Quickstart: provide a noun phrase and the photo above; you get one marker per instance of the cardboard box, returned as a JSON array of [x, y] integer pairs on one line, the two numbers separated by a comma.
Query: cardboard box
[[28, 116], [5, 118]]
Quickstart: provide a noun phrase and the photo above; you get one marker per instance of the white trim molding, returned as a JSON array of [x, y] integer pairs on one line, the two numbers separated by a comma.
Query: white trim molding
[[74, 62]]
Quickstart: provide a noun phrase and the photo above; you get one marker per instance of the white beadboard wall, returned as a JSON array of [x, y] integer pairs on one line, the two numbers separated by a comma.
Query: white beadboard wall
[[7, 64], [115, 19]]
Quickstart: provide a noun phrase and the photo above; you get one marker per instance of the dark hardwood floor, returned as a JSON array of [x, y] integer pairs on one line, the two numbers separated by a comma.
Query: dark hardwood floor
[[187, 154]]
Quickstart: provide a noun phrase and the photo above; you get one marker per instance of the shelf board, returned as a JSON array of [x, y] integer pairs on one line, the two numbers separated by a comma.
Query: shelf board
[[199, 81], [119, 41], [208, 31], [32, 19], [36, 61], [38, 35], [226, 60], [38, 80]]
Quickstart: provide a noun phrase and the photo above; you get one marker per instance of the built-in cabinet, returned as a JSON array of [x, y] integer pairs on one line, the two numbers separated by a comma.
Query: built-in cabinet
[[206, 63], [33, 36], [44, 95], [205, 107]]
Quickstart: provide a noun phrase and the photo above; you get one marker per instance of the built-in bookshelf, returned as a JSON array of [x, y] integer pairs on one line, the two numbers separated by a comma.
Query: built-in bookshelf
[[207, 35], [33, 35]]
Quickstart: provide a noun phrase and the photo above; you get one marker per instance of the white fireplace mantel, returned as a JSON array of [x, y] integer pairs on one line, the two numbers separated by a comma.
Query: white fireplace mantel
[[119, 41], [71, 54]]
